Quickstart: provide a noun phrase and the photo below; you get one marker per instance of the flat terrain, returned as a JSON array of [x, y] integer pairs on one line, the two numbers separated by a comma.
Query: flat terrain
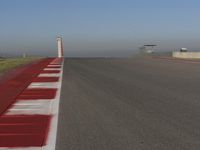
[[11, 63], [129, 104]]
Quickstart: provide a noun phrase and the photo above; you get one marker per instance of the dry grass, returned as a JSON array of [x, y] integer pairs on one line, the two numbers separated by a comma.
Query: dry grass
[[11, 63]]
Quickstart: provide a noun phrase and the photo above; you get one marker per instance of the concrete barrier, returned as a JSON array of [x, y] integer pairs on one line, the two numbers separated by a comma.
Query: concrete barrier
[[189, 55]]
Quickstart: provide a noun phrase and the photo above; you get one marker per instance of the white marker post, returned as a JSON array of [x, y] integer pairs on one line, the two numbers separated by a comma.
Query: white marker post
[[60, 47]]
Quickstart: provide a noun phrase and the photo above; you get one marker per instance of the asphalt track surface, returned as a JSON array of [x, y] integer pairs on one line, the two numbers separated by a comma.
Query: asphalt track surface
[[129, 104]]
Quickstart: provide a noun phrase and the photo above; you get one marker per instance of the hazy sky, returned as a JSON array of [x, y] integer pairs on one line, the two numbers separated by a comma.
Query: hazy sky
[[98, 27]]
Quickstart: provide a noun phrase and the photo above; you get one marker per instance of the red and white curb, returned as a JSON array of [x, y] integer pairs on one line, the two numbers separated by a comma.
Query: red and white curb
[[51, 141], [49, 80]]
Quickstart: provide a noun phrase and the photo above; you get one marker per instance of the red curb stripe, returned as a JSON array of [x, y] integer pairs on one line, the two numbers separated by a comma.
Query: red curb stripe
[[53, 67], [58, 61], [50, 71], [32, 133], [55, 64], [22, 129], [21, 140], [37, 93], [46, 79], [20, 119]]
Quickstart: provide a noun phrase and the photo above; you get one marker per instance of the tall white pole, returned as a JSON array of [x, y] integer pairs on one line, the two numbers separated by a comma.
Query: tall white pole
[[60, 46]]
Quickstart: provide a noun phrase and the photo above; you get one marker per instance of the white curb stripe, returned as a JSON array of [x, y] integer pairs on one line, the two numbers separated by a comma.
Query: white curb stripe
[[57, 69], [49, 75], [30, 107], [43, 85], [54, 65]]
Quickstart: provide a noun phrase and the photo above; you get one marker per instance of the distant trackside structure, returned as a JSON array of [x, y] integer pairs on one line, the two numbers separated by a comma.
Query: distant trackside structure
[[147, 48], [189, 55], [60, 47], [183, 53]]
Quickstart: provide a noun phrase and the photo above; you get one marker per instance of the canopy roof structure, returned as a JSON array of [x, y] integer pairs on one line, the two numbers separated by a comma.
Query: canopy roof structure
[[153, 45], [148, 48]]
